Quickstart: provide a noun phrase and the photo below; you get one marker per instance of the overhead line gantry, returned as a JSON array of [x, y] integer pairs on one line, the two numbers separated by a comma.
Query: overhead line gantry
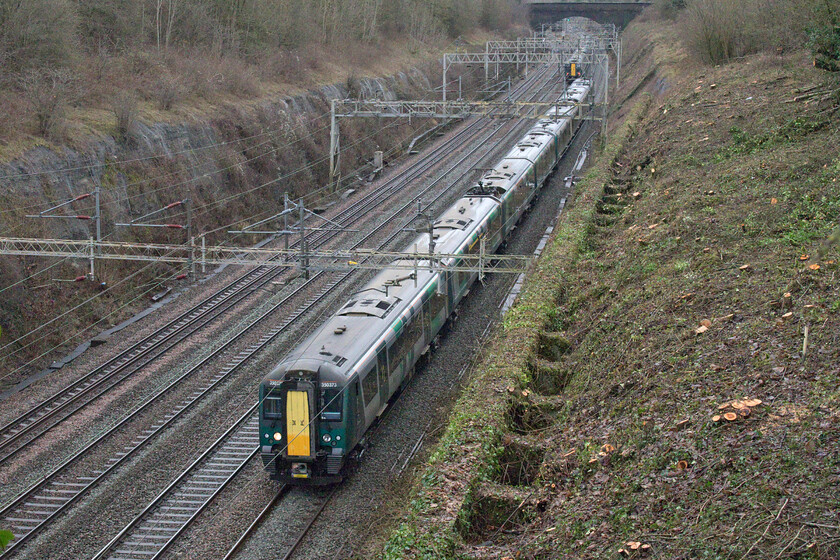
[[321, 259], [543, 48]]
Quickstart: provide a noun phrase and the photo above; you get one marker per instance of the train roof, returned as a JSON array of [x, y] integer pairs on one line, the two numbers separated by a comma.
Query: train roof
[[518, 160], [345, 339], [348, 338]]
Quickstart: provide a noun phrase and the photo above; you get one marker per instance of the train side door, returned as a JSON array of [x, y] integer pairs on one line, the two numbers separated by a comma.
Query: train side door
[[359, 407], [370, 390], [382, 374]]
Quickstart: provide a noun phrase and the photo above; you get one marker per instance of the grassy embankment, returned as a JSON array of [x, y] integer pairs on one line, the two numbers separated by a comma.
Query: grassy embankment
[[692, 271]]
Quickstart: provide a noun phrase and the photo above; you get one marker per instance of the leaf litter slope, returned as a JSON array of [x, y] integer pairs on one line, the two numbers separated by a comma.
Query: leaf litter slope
[[704, 317]]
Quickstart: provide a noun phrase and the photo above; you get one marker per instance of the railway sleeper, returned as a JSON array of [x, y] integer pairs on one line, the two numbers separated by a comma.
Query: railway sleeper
[[28, 521], [37, 512], [132, 554], [60, 491], [179, 495], [56, 506], [144, 542], [150, 537], [185, 501]]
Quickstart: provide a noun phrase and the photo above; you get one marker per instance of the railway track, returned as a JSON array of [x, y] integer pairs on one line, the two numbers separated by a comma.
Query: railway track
[[32, 511], [144, 537], [297, 537], [17, 433], [257, 521], [141, 540], [307, 525], [151, 533]]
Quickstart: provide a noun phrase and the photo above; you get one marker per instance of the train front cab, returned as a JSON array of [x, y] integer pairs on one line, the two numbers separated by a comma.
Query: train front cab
[[302, 436], [572, 71]]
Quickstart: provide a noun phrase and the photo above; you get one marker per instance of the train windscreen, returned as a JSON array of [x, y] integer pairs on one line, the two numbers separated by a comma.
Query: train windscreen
[[331, 405], [272, 406]]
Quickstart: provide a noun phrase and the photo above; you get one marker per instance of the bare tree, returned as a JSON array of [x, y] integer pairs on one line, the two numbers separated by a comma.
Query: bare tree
[[172, 9], [49, 92], [125, 109], [369, 19], [158, 21], [166, 13], [37, 32]]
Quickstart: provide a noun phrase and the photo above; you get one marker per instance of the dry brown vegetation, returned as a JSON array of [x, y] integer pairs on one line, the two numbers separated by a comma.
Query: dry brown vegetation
[[171, 52], [717, 31], [230, 90]]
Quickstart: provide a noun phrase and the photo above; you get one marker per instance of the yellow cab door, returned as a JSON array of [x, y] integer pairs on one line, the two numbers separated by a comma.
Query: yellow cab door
[[297, 424]]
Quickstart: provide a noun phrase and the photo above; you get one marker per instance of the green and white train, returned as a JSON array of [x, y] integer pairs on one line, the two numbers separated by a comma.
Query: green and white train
[[317, 404]]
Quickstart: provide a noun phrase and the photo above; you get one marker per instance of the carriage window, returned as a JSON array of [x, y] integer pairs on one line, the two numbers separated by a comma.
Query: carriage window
[[331, 405], [414, 330], [272, 408], [438, 301], [427, 319], [369, 386], [382, 367], [398, 350]]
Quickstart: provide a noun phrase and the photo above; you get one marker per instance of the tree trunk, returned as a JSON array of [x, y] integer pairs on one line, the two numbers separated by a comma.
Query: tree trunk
[[158, 23], [170, 20]]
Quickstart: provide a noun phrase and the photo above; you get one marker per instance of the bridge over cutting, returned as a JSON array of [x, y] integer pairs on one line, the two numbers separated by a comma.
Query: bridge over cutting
[[618, 12]]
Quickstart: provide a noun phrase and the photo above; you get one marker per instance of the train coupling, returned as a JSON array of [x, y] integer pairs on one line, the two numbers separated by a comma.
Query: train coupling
[[301, 470]]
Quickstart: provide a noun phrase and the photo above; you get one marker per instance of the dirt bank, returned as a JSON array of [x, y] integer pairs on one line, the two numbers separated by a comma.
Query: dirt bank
[[667, 385]]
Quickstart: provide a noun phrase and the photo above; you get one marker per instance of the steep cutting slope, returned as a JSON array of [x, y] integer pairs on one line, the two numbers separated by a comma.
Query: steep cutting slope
[[695, 278]]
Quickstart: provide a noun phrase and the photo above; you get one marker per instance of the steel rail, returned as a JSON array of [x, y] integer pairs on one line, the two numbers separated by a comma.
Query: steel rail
[[107, 378], [256, 522], [267, 508], [50, 480], [182, 409], [149, 541], [243, 421], [80, 386], [309, 525], [38, 415]]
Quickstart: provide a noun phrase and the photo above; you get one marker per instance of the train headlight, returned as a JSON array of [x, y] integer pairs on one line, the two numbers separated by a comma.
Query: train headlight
[[327, 438], [278, 436]]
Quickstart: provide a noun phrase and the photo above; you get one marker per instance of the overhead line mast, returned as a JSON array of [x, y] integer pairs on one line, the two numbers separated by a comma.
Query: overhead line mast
[[96, 218], [553, 45]]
